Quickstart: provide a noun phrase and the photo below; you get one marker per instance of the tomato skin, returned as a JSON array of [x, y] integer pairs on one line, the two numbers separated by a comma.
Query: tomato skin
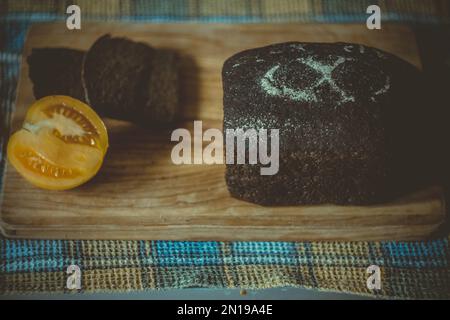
[[61, 145]]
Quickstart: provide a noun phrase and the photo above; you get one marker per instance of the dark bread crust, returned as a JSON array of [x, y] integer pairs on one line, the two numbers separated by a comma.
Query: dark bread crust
[[346, 115], [163, 87], [129, 80], [56, 71]]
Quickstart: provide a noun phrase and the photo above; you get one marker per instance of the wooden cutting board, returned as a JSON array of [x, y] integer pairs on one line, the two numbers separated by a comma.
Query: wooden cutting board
[[140, 194]]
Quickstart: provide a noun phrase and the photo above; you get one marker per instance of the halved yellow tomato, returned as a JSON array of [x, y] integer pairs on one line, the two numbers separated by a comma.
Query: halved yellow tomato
[[61, 145]]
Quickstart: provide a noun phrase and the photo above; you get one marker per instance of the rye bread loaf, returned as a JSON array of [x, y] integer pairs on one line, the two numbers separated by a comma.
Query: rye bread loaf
[[131, 81], [347, 116], [56, 71]]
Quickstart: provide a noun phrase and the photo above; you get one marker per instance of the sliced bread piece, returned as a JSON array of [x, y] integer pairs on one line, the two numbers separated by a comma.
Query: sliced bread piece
[[129, 80], [56, 71]]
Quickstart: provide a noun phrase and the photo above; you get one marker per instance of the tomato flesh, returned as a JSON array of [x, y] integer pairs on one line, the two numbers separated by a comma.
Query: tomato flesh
[[34, 162], [61, 145]]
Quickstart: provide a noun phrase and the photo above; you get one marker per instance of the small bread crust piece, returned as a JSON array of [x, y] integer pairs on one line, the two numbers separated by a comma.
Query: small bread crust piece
[[346, 115]]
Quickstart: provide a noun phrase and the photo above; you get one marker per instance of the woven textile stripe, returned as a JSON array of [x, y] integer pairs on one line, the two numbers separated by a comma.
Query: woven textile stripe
[[417, 269], [409, 269], [430, 11]]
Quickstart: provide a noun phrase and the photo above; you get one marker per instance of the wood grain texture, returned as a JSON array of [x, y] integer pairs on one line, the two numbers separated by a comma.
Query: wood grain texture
[[140, 194]]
